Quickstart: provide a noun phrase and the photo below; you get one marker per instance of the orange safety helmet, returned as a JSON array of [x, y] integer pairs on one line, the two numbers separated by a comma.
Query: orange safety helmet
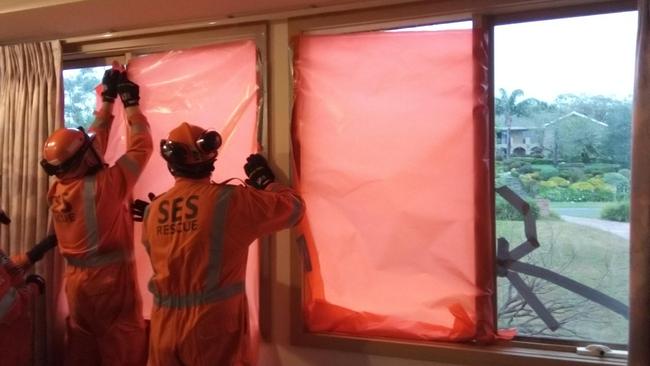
[[189, 144], [190, 150], [64, 149]]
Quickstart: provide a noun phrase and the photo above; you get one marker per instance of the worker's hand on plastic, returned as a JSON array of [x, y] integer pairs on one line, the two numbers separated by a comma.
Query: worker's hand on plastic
[[38, 280], [109, 85], [129, 91], [258, 171], [139, 206]]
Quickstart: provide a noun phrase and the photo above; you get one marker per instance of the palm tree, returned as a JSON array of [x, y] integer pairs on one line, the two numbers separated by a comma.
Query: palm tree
[[508, 106]]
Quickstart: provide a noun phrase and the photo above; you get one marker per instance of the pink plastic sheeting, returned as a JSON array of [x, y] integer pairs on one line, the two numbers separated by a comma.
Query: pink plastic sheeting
[[391, 148], [213, 87]]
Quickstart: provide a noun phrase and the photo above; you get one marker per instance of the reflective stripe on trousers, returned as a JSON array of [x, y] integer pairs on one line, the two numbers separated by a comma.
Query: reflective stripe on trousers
[[212, 292]]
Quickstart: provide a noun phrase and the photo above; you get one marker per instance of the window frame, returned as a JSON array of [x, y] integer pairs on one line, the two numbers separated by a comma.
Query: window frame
[[99, 50], [532, 351]]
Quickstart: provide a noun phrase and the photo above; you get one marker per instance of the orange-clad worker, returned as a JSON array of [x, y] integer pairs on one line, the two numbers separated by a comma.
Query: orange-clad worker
[[17, 295], [89, 204], [197, 235]]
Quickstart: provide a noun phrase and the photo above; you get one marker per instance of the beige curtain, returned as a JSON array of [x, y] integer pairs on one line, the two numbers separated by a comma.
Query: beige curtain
[[30, 109], [640, 209]]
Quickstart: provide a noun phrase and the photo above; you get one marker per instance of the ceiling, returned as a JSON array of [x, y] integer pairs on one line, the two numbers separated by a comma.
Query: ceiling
[[28, 20]]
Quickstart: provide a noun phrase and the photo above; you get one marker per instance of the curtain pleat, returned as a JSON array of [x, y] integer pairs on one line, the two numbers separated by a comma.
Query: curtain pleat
[[30, 110], [640, 208]]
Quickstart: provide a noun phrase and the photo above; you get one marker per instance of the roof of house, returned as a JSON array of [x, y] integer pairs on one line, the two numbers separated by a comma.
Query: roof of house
[[531, 122], [576, 114], [537, 120]]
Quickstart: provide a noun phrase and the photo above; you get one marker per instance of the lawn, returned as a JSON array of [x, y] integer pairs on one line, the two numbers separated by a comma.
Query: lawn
[[590, 256], [589, 210]]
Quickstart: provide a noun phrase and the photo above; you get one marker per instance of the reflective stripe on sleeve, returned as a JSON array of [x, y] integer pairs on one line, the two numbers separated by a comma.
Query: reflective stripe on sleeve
[[138, 128], [129, 164], [7, 302], [296, 211], [90, 215]]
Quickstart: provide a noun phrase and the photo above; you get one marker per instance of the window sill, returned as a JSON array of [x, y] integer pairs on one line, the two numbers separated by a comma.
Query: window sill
[[502, 354]]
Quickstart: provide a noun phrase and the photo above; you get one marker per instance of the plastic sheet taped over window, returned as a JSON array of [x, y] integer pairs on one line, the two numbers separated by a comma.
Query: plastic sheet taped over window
[[391, 145], [213, 87]]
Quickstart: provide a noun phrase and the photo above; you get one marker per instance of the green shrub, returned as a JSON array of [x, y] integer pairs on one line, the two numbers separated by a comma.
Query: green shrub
[[602, 168], [573, 174], [529, 182], [584, 191], [559, 181], [616, 180], [500, 180], [546, 172], [556, 194], [505, 211], [593, 190], [572, 165], [547, 184], [542, 162], [616, 212], [625, 173], [582, 186], [526, 168], [513, 164]]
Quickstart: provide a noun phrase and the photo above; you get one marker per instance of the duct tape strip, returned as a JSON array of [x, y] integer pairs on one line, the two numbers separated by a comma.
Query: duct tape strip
[[523, 249], [502, 257], [573, 286], [530, 228], [514, 199], [302, 246], [533, 301]]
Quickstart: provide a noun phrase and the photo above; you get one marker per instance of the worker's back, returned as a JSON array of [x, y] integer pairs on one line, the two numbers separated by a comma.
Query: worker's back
[[198, 234], [91, 215]]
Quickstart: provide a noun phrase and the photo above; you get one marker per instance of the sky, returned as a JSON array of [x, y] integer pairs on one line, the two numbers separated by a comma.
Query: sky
[[590, 55]]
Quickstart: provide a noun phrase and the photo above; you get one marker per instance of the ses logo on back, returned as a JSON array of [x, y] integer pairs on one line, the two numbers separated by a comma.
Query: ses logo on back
[[178, 215]]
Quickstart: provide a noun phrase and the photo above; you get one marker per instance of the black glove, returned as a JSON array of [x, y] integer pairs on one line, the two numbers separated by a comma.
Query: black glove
[[38, 280], [258, 171], [109, 83], [139, 206], [38, 251], [129, 91]]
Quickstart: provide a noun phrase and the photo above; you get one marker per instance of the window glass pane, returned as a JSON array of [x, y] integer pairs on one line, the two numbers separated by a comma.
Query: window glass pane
[[390, 169], [563, 95], [79, 94]]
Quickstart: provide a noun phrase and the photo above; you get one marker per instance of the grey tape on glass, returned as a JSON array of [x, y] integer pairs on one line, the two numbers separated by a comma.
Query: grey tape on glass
[[532, 300], [573, 286]]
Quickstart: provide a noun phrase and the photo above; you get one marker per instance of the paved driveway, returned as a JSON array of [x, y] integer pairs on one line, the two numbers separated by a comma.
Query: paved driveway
[[621, 229]]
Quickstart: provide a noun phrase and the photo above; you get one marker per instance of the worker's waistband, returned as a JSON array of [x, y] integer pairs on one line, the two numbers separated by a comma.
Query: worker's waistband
[[185, 301], [100, 259]]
